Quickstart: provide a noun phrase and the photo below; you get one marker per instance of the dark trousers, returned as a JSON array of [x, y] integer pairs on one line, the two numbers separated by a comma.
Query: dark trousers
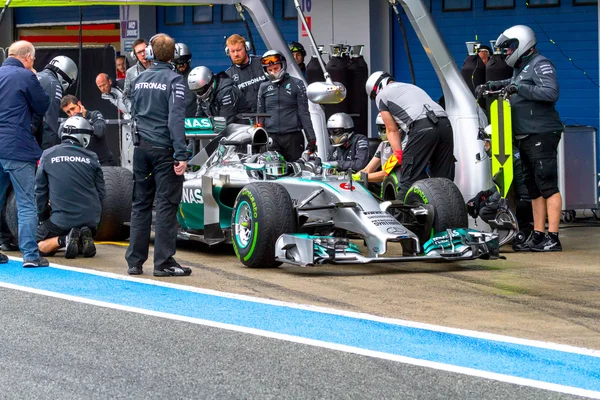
[[430, 146], [154, 176], [289, 145]]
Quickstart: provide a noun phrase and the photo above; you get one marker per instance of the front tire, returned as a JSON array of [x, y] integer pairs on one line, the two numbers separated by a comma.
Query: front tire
[[446, 200], [262, 212]]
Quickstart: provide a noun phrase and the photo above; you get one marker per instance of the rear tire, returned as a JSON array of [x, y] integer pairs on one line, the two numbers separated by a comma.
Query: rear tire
[[447, 201], [116, 206], [262, 212]]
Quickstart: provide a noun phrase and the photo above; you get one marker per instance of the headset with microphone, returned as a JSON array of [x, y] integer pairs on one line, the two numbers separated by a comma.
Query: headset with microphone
[[149, 50]]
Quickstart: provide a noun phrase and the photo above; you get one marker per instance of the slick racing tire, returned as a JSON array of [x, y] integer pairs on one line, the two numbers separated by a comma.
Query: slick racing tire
[[116, 207], [446, 200], [389, 187], [262, 212]]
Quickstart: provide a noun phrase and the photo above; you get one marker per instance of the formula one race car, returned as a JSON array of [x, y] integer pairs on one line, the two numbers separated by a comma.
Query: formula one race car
[[306, 213]]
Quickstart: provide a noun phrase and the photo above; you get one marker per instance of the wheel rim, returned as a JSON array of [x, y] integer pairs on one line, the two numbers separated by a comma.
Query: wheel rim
[[243, 224]]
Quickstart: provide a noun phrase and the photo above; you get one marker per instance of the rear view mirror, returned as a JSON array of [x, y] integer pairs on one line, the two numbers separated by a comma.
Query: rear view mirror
[[326, 92]]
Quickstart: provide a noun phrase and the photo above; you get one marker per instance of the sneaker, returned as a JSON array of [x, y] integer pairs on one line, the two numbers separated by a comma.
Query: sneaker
[[3, 258], [548, 244], [72, 243], [40, 262], [135, 271], [174, 270], [7, 246], [87, 247], [522, 243]]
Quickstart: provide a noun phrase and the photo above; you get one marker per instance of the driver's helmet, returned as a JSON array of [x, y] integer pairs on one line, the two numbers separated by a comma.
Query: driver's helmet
[[65, 69], [183, 55], [201, 81], [519, 39], [77, 128], [274, 57], [340, 128], [275, 164]]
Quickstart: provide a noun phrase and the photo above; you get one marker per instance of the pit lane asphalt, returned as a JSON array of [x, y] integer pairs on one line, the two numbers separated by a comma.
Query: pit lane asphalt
[[549, 297]]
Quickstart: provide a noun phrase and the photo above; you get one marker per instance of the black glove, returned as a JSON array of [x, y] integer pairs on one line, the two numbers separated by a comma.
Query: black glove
[[511, 89], [479, 90], [312, 146], [474, 205]]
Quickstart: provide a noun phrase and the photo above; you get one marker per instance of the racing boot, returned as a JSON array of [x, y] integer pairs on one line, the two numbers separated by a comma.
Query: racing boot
[[550, 243], [87, 247]]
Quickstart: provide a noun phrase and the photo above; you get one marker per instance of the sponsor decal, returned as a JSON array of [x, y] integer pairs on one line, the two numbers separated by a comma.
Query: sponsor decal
[[396, 231], [150, 85], [197, 123], [252, 81], [347, 186], [69, 159], [192, 196]]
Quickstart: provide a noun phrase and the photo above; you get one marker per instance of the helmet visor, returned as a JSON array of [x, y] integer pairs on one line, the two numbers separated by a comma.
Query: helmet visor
[[271, 60]]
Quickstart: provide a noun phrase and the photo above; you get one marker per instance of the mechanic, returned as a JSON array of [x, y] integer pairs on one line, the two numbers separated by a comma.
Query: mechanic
[[21, 97], [299, 54], [376, 167], [246, 70], [72, 106], [533, 91], [121, 65], [430, 139], [284, 98], [142, 64], [349, 150], [182, 63], [69, 189], [112, 94], [55, 78], [159, 160], [218, 96]]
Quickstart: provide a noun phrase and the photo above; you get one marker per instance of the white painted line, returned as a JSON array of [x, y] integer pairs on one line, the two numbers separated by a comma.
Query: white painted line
[[317, 343], [350, 314]]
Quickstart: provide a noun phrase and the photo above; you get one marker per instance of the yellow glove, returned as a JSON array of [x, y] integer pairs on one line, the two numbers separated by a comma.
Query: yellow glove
[[356, 176]]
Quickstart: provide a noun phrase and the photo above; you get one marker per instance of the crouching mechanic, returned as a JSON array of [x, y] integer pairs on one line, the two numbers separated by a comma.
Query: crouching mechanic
[[350, 150], [378, 168], [69, 189], [284, 98], [217, 95]]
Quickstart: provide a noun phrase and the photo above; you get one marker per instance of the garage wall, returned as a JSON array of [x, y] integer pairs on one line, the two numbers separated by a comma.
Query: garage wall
[[207, 41], [573, 28], [37, 15]]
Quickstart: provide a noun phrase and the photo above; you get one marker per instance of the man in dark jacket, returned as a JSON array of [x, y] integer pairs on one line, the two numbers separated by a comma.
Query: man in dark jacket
[[183, 64], [246, 70], [72, 106], [284, 98], [533, 92], [142, 64], [217, 95], [21, 95], [55, 78], [159, 161], [69, 189], [350, 150]]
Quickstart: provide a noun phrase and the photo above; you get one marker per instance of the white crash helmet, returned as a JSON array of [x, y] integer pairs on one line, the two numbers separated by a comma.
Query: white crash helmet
[[201, 81], [382, 131], [183, 55], [340, 128], [377, 81], [274, 57], [77, 128], [66, 70], [520, 39]]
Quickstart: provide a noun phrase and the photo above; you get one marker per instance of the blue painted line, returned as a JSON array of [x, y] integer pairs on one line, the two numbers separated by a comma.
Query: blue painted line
[[522, 361]]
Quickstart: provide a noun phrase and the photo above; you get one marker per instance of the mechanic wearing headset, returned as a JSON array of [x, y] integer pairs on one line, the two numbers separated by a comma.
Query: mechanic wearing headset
[[142, 64], [69, 189], [299, 54], [533, 92], [349, 150], [159, 160], [246, 70], [217, 95], [430, 136], [284, 98], [55, 78]]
